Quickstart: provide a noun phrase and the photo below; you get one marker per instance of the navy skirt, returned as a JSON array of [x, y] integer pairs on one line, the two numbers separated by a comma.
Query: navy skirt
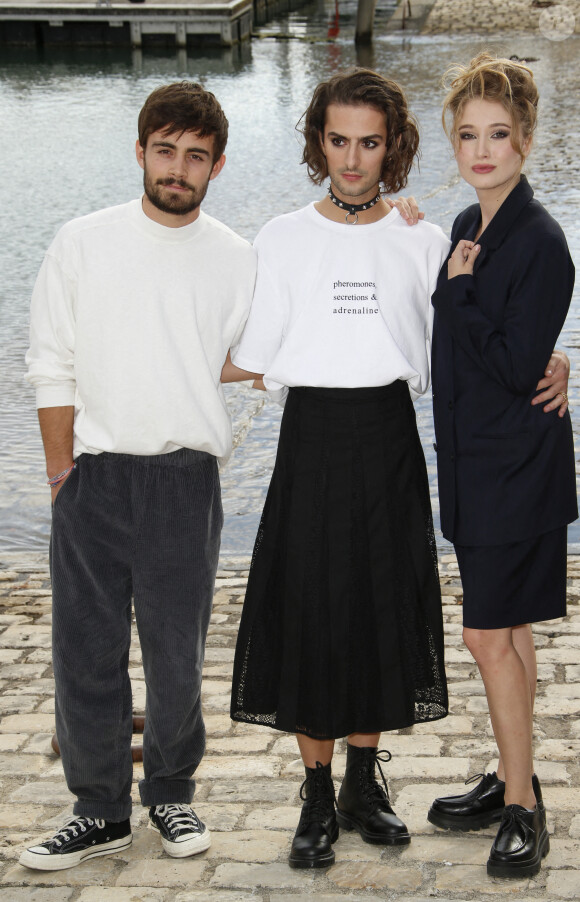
[[507, 585], [341, 629]]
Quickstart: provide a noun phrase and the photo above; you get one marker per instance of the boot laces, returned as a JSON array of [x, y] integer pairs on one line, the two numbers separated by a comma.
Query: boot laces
[[319, 803], [373, 791]]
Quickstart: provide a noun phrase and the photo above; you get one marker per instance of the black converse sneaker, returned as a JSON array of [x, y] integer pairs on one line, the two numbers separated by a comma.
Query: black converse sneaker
[[79, 839], [182, 832]]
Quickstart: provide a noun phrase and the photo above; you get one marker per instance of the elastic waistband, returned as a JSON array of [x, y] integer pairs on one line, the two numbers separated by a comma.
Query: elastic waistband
[[183, 457]]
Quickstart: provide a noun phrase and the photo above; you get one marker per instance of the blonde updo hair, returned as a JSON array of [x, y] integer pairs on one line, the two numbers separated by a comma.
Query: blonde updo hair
[[498, 80]]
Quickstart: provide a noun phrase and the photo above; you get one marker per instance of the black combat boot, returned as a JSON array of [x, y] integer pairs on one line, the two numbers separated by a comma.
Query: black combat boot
[[364, 805], [317, 828]]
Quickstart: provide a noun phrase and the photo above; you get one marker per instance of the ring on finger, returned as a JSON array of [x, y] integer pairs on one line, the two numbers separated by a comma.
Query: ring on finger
[[564, 395]]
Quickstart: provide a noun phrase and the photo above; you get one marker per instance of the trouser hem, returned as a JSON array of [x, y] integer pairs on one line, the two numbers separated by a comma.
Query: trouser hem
[[106, 811], [166, 792]]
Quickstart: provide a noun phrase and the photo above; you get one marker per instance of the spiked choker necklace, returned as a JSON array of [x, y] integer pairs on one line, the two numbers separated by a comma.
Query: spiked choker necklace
[[352, 209]]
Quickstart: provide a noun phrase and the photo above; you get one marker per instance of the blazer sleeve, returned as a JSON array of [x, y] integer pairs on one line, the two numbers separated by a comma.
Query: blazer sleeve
[[538, 299]]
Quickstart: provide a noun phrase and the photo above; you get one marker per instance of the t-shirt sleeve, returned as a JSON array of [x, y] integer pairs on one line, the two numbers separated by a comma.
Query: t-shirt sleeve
[[264, 328], [245, 295], [50, 357], [436, 252]]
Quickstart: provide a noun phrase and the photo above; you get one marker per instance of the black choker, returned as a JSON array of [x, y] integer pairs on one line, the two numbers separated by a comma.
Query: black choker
[[352, 209]]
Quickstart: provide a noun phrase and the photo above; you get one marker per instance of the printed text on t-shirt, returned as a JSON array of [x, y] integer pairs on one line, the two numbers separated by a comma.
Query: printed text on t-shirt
[[360, 299]]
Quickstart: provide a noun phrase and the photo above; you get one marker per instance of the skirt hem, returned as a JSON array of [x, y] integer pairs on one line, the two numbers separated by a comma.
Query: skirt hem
[[402, 725]]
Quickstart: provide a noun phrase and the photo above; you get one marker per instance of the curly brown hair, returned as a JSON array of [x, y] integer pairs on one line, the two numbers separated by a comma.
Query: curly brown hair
[[499, 80], [184, 106], [363, 87]]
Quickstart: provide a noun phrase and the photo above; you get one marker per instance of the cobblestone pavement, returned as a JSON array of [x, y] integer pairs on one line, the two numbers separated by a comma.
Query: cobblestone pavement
[[249, 780]]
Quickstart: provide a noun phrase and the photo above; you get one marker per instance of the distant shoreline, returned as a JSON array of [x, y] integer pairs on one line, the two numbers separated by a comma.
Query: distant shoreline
[[552, 19]]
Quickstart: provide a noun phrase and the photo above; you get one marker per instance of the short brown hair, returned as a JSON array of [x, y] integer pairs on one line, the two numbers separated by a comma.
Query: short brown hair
[[363, 87], [499, 80], [184, 107]]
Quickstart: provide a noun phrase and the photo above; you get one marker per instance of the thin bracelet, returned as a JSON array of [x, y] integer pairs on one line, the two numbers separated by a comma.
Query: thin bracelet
[[56, 480]]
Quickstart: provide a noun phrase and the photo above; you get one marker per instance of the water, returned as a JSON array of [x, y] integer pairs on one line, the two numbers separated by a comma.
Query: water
[[72, 116]]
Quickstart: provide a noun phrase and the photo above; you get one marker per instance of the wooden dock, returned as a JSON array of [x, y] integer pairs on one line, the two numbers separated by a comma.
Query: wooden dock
[[137, 24]]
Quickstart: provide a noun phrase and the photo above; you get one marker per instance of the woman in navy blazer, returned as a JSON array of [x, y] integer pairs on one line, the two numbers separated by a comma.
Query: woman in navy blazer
[[506, 468]]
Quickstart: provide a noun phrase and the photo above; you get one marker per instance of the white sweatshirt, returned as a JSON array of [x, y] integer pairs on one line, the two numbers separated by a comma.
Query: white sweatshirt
[[342, 306], [131, 322]]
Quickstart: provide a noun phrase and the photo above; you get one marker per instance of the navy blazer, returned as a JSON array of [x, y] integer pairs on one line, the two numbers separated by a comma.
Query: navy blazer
[[506, 469]]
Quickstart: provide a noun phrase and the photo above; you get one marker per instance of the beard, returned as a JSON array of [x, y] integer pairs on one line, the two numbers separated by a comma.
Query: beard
[[179, 204]]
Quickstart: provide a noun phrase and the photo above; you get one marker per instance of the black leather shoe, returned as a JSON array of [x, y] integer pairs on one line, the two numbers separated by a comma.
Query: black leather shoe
[[364, 805], [317, 828], [521, 842], [476, 809]]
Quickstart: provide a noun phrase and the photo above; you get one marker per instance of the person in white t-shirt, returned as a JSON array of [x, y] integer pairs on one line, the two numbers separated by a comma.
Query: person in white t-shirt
[[132, 316], [341, 632]]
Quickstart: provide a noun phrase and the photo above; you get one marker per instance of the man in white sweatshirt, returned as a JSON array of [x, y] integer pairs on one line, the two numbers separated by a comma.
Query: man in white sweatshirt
[[133, 312]]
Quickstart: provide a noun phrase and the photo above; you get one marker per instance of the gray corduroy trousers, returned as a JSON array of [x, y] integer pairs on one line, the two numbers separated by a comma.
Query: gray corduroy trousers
[[148, 528]]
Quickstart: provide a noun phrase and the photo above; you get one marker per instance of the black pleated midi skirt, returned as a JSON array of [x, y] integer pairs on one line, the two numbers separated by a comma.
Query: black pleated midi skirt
[[341, 629]]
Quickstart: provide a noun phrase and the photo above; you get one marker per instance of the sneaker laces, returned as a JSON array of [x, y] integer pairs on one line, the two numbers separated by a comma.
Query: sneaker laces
[[372, 790], [71, 829], [179, 817]]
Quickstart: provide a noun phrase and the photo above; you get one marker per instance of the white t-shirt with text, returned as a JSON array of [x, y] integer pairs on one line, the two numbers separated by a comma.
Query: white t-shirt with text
[[342, 306]]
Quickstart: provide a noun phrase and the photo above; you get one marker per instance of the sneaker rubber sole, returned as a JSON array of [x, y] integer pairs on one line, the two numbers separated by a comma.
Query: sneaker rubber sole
[[55, 862], [186, 847]]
